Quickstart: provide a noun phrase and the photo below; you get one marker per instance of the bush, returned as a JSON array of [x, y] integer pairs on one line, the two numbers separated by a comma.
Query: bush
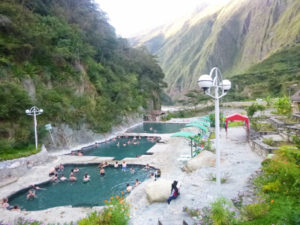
[[116, 212], [221, 214], [269, 141], [252, 109], [283, 106], [212, 119], [255, 210]]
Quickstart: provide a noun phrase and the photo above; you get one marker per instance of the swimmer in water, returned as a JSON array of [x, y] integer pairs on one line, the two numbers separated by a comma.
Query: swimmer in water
[[86, 177], [31, 194], [124, 166], [132, 170], [116, 165], [102, 172]]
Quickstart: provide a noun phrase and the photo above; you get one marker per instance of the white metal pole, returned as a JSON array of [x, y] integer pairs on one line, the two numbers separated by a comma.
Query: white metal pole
[[217, 129], [35, 131], [51, 136]]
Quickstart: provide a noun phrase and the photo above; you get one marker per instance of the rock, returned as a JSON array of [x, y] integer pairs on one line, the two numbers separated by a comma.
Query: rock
[[158, 191], [14, 165], [204, 159]]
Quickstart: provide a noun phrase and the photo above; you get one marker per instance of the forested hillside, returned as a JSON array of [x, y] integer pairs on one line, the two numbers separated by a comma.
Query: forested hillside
[[64, 57], [235, 38]]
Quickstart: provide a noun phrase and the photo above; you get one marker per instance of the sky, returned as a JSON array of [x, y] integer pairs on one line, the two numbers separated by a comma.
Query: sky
[[131, 17]]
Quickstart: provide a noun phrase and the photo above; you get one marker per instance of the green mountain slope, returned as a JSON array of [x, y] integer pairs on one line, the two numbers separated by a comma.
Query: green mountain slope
[[64, 57], [234, 38], [274, 76]]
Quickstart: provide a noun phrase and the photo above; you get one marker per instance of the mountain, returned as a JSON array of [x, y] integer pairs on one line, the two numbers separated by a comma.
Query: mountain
[[234, 37], [64, 57]]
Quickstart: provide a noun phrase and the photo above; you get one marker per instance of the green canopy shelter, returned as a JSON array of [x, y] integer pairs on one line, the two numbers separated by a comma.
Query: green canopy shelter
[[198, 126], [207, 124], [188, 135], [206, 118]]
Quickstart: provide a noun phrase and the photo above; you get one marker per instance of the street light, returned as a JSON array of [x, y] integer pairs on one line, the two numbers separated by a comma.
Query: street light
[[207, 82], [34, 111]]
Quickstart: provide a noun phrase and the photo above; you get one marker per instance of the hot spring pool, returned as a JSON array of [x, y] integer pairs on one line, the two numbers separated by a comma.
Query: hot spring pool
[[124, 149], [80, 194], [160, 128]]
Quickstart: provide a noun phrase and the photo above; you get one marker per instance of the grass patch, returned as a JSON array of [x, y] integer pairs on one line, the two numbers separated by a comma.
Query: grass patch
[[9, 154], [212, 135], [236, 124]]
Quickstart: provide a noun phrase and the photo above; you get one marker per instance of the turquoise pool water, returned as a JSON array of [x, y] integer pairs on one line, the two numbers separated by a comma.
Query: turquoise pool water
[[80, 194], [121, 150], [160, 128]]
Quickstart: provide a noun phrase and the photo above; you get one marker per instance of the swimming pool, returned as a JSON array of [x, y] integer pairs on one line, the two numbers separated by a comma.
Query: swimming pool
[[80, 194], [160, 128], [120, 148]]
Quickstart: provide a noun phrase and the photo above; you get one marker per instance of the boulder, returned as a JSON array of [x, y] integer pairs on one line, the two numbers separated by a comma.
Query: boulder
[[204, 159], [159, 190]]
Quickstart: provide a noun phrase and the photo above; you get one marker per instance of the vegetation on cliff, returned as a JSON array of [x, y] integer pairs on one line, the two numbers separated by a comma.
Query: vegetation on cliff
[[64, 57], [234, 38]]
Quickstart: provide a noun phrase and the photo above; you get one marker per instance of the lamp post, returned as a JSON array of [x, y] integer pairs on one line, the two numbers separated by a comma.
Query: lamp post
[[214, 81], [34, 111]]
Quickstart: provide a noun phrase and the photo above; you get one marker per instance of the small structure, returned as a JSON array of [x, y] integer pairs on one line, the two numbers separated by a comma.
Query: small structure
[[296, 102], [237, 117], [188, 135], [154, 115]]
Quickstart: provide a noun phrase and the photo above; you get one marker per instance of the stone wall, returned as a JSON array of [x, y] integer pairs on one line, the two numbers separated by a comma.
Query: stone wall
[[67, 138], [17, 167], [260, 148]]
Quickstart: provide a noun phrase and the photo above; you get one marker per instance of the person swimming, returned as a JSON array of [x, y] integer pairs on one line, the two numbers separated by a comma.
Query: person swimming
[[72, 176], [137, 182], [62, 177], [86, 177], [61, 167], [128, 188], [147, 167], [116, 165], [31, 194], [124, 166], [16, 208], [76, 170], [132, 170], [52, 171], [102, 172], [55, 178]]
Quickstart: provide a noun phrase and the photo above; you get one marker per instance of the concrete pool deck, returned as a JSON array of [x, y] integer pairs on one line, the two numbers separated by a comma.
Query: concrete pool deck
[[196, 190]]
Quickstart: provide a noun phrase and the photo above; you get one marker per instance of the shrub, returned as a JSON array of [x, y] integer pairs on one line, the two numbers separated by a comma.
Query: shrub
[[212, 119], [221, 214], [92, 219], [212, 177], [116, 212], [255, 210], [283, 106], [269, 141], [252, 109]]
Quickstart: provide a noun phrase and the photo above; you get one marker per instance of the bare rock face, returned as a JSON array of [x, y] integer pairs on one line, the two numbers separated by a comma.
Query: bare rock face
[[204, 159], [159, 190]]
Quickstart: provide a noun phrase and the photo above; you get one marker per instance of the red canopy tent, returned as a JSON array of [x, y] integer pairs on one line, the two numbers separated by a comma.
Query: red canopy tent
[[237, 117]]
